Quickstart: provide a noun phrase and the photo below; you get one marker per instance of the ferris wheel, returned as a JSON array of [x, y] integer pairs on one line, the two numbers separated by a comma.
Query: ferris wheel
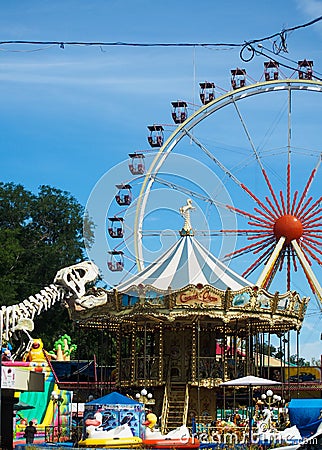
[[249, 159]]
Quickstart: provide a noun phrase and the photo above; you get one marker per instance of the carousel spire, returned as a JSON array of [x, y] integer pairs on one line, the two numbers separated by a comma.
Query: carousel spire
[[185, 212]]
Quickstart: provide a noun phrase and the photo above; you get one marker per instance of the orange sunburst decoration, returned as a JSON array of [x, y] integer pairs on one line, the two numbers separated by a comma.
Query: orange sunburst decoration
[[284, 230]]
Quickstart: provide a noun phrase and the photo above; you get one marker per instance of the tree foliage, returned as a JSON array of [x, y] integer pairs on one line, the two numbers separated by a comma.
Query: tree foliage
[[266, 349], [278, 353], [39, 234], [299, 361], [316, 362]]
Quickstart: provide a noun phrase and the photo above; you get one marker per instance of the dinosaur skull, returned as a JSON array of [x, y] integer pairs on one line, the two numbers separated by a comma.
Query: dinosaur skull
[[75, 278]]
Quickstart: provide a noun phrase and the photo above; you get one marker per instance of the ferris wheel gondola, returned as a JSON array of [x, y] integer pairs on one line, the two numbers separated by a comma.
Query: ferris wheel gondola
[[305, 69], [179, 111], [156, 135], [136, 164], [271, 70], [207, 92], [116, 261], [116, 227], [124, 194], [238, 78]]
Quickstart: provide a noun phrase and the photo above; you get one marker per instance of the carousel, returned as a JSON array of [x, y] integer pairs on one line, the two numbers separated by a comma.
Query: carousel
[[183, 325]]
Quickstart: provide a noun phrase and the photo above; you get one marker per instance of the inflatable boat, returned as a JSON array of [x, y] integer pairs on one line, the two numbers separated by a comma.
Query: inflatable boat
[[176, 439], [119, 437]]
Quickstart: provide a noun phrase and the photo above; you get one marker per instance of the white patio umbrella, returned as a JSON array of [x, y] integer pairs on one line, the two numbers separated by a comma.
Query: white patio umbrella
[[250, 381]]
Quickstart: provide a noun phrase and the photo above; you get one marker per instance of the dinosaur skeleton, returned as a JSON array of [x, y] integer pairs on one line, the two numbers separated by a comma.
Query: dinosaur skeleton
[[70, 283]]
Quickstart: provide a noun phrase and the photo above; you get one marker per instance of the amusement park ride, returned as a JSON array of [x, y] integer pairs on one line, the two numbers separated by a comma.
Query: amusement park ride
[[187, 322], [284, 229]]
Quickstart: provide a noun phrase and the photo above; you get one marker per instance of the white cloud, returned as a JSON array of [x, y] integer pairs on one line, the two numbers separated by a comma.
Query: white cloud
[[312, 8], [311, 350], [310, 343]]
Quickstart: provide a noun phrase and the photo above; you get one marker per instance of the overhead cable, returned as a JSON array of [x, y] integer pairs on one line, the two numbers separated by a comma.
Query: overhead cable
[[62, 44]]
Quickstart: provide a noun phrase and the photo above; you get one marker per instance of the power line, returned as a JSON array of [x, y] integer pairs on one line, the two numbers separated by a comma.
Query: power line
[[62, 44], [260, 52], [286, 30]]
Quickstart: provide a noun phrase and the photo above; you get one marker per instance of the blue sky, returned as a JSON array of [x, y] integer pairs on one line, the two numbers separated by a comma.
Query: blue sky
[[69, 116]]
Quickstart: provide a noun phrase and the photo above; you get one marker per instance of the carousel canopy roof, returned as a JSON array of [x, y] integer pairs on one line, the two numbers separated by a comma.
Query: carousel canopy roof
[[187, 262]]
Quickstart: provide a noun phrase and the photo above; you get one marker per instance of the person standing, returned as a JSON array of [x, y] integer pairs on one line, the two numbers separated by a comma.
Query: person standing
[[30, 432]]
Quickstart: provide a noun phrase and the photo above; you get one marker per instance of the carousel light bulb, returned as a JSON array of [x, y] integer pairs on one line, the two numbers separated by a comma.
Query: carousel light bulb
[[150, 395], [144, 392], [275, 397], [269, 393], [263, 396], [137, 395]]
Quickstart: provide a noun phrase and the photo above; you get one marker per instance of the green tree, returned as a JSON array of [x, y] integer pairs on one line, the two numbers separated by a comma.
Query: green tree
[[266, 349], [279, 354], [301, 362], [315, 362], [39, 234]]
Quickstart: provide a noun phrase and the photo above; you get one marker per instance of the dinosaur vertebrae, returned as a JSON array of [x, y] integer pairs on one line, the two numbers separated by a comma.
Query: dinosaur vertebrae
[[30, 307], [69, 282]]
